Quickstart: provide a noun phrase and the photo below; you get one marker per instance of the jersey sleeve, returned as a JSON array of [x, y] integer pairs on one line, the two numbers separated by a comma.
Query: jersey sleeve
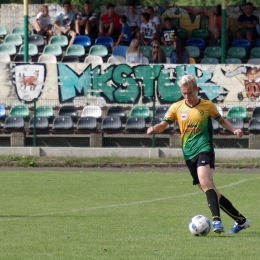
[[170, 115], [214, 112]]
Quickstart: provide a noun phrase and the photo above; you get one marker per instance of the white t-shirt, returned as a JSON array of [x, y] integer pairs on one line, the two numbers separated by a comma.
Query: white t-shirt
[[44, 21], [134, 57], [155, 21], [147, 30]]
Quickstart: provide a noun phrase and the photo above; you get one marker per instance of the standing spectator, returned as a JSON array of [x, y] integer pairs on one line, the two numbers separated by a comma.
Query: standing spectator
[[247, 23], [133, 53], [154, 20], [169, 33], [125, 37], [156, 54], [147, 32], [133, 19], [180, 55], [42, 24], [86, 22], [65, 22], [109, 23]]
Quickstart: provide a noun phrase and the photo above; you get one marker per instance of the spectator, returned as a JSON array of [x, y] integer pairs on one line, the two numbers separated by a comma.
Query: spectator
[[65, 22], [42, 24], [125, 37], [133, 19], [133, 53], [169, 33], [147, 32], [86, 22], [109, 23], [154, 20], [156, 54], [247, 23], [180, 55]]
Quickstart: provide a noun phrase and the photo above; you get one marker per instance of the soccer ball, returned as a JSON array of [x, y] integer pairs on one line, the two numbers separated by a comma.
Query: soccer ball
[[199, 225]]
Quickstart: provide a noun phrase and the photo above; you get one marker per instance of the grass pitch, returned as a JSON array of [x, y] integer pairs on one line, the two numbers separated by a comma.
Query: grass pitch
[[101, 215]]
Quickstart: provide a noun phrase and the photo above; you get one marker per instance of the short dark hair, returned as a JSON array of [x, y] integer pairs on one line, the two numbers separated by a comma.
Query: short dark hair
[[150, 7], [146, 16], [87, 2], [123, 18], [66, 3], [167, 19], [109, 5]]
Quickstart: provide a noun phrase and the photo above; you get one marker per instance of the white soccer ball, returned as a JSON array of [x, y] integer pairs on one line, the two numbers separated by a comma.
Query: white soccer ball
[[199, 225]]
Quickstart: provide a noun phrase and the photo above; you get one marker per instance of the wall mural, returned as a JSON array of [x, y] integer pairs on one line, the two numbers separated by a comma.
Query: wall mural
[[127, 84]]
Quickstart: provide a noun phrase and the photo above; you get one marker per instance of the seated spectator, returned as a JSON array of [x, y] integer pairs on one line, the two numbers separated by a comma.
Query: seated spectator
[[247, 23], [156, 54], [65, 21], [216, 40], [147, 32], [133, 19], [180, 55], [109, 23], [155, 21], [42, 24], [169, 33], [125, 37], [133, 53], [86, 22]]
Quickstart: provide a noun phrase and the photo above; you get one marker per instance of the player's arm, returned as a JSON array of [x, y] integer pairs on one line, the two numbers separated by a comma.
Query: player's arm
[[156, 129], [227, 125]]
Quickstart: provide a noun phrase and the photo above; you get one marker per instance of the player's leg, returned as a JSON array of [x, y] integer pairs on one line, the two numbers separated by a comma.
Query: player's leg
[[205, 176]]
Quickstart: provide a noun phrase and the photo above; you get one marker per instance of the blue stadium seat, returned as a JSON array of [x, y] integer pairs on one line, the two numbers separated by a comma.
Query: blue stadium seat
[[135, 124], [120, 50], [2, 111], [87, 124], [41, 122], [254, 125], [117, 111], [62, 123], [105, 41], [161, 111], [70, 111], [13, 123], [83, 40], [241, 43], [111, 124], [198, 42]]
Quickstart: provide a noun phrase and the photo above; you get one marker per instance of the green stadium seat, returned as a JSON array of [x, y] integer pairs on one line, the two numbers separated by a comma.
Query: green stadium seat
[[32, 50], [8, 48], [236, 52], [61, 40], [3, 31], [182, 34], [76, 50], [212, 52], [233, 61], [46, 111], [53, 49], [20, 111], [18, 30], [167, 50], [200, 33], [193, 51], [209, 61], [98, 50], [237, 112], [15, 39], [140, 111], [255, 53], [145, 50]]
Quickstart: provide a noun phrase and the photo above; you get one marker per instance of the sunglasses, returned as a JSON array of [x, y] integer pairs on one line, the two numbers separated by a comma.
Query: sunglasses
[[157, 47]]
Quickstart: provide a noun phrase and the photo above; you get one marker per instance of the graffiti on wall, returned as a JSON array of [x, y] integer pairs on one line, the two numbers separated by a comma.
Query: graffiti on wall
[[125, 83]]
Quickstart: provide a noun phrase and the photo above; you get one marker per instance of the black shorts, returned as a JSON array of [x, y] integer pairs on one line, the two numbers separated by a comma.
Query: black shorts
[[201, 159]]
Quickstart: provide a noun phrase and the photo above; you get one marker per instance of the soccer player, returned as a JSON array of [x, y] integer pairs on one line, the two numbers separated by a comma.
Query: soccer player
[[194, 118]]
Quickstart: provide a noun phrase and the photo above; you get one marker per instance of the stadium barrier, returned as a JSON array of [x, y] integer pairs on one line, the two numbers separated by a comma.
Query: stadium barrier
[[114, 125]]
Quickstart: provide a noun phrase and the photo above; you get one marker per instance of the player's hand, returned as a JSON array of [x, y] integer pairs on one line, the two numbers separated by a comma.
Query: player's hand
[[150, 130], [239, 133]]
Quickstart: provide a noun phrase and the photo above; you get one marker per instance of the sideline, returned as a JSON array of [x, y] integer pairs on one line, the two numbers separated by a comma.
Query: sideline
[[122, 205]]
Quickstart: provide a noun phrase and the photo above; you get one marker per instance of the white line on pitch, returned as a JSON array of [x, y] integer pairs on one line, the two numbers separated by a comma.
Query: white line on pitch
[[124, 204]]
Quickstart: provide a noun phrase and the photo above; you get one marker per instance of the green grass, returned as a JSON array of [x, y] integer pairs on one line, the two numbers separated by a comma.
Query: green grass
[[83, 215]]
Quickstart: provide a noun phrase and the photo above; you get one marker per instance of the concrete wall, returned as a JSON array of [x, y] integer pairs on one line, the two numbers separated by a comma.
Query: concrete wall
[[121, 152]]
